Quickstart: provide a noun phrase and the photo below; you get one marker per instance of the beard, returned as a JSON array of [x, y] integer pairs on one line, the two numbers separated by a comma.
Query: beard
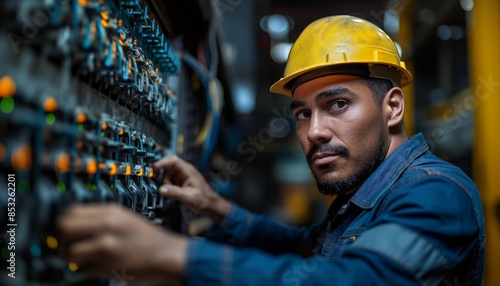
[[350, 184]]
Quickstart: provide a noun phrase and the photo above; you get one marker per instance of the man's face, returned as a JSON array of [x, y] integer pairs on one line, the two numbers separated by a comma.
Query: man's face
[[341, 129]]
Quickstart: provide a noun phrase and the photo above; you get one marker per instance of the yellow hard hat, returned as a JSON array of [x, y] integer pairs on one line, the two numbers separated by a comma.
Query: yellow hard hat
[[342, 45]]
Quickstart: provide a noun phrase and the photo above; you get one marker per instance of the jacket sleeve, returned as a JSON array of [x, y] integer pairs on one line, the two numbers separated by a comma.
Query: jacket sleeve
[[241, 228], [415, 241]]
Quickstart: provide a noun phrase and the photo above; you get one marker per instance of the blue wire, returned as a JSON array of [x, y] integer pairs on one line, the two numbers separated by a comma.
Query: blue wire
[[210, 142]]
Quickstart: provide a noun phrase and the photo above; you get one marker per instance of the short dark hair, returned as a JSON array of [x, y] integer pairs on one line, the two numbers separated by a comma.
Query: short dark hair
[[379, 88]]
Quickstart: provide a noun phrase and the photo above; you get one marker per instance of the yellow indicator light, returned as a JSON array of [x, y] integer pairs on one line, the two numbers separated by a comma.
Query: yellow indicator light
[[128, 170], [21, 158], [91, 167], [112, 170], [62, 163], [150, 173], [50, 104], [141, 171], [72, 266], [81, 118], [52, 242], [7, 86], [104, 126], [104, 15], [121, 132]]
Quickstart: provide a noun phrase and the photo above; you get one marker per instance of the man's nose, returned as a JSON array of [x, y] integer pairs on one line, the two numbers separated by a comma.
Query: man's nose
[[319, 130]]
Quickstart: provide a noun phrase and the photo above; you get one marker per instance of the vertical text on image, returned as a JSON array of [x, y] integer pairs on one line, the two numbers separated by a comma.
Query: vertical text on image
[[11, 225]]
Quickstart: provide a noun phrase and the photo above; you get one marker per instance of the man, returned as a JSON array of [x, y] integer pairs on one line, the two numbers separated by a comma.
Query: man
[[401, 216]]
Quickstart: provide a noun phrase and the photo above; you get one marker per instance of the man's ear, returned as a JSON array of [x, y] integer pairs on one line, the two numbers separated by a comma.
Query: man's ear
[[394, 107]]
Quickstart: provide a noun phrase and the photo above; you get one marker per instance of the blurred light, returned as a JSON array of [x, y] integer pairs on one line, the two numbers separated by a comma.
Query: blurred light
[[454, 32], [467, 5], [72, 266], [280, 51], [7, 104], [276, 25], [7, 86], [52, 242], [444, 32], [50, 119], [61, 187], [391, 22], [229, 52], [50, 104], [244, 97], [35, 250]]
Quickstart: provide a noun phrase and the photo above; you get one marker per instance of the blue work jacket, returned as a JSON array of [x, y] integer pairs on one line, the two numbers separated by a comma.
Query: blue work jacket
[[417, 220]]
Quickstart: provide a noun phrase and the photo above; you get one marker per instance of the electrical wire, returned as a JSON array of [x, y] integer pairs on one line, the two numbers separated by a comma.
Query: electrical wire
[[209, 133]]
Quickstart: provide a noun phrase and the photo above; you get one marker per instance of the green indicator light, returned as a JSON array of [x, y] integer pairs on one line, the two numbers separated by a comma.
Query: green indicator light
[[7, 104], [94, 187], [88, 186], [50, 119], [80, 127], [61, 187], [24, 186], [5, 253], [103, 134], [112, 186]]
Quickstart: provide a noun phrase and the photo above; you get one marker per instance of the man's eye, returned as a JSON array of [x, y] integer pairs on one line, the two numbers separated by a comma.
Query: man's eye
[[301, 115], [339, 104]]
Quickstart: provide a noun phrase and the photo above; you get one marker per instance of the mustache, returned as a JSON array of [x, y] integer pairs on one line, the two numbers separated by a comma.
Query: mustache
[[325, 148]]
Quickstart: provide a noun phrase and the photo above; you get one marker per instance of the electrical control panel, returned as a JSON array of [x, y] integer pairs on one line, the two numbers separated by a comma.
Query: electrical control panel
[[88, 101]]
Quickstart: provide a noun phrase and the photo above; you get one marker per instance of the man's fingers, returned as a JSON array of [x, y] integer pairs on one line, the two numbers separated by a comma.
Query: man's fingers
[[174, 192], [170, 162], [190, 197], [176, 170], [86, 220]]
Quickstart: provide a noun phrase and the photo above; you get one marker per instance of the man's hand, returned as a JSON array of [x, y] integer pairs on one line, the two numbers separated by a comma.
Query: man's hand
[[103, 240], [183, 182]]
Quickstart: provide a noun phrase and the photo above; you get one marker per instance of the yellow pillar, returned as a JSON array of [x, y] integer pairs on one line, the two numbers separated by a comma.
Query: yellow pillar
[[404, 39], [483, 24]]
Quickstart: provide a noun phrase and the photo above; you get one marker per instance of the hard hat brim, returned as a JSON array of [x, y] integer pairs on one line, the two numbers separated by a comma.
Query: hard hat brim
[[286, 85]]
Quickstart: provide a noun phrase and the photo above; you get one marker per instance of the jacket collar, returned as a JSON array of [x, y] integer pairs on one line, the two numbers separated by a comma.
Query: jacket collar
[[388, 172]]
